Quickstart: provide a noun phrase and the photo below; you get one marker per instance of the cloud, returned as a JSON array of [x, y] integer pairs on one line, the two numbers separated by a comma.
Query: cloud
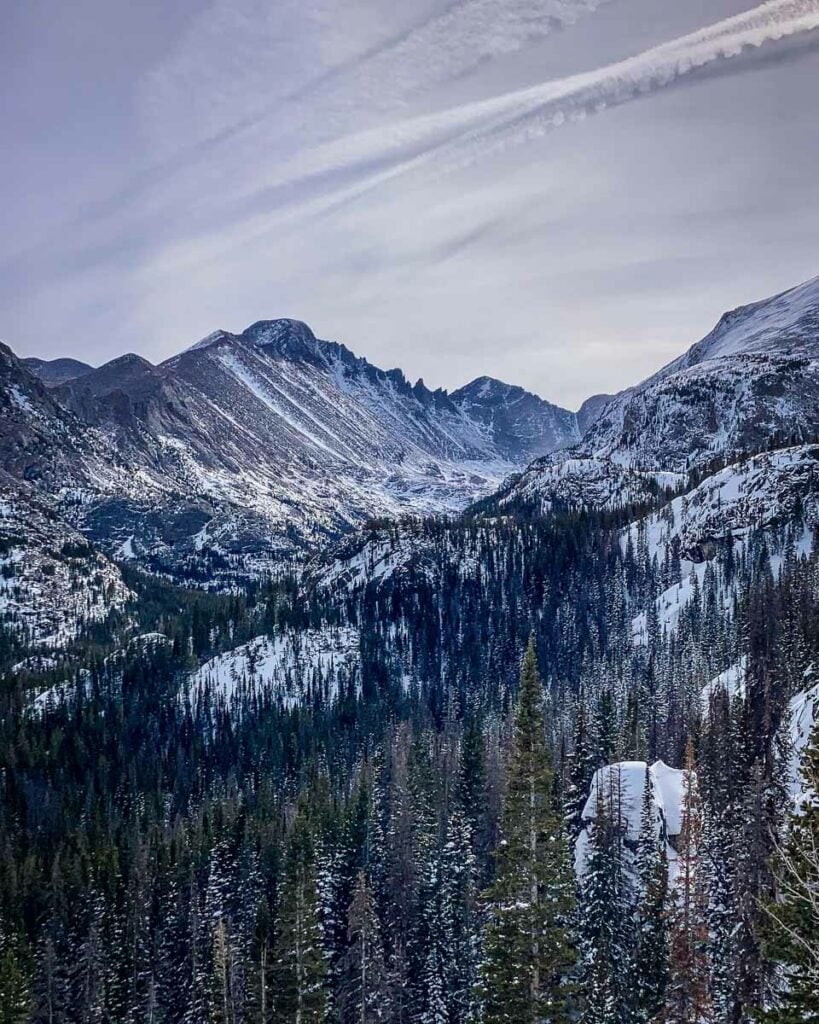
[[320, 178], [318, 71]]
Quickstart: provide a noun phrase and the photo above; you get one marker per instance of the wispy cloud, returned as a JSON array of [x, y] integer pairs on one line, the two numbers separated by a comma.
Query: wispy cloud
[[320, 71], [342, 171], [373, 170]]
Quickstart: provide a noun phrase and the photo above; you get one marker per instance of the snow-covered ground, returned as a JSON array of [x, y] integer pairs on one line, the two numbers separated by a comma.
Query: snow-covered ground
[[731, 682], [290, 667]]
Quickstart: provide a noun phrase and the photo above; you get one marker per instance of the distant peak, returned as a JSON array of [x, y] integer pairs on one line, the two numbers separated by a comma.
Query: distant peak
[[486, 388], [292, 339], [211, 339], [129, 361], [56, 371]]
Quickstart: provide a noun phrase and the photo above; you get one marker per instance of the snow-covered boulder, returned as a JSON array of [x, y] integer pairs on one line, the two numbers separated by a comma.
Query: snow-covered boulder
[[621, 785]]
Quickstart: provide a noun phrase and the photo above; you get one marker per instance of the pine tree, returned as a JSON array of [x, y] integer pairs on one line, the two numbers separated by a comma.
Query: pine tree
[[50, 987], [527, 951], [365, 992], [793, 918], [605, 912], [688, 989], [15, 994], [605, 729], [471, 786], [460, 917], [299, 966], [651, 954], [581, 770], [260, 994]]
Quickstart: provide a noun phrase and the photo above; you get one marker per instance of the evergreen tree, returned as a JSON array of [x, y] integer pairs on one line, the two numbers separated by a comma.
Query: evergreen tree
[[527, 949], [581, 770], [688, 987], [651, 953], [793, 918], [15, 993], [365, 994], [299, 968], [606, 910]]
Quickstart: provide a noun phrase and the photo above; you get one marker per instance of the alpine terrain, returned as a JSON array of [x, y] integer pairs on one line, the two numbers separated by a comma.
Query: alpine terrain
[[328, 697]]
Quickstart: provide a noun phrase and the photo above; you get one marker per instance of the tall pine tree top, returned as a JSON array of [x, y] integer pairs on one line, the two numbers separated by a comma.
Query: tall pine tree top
[[527, 952]]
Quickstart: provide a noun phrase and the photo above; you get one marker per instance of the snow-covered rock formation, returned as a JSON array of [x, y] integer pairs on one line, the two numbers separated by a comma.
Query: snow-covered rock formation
[[620, 787]]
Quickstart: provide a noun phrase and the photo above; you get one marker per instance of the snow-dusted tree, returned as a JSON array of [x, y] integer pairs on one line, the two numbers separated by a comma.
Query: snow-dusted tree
[[89, 975], [365, 990], [605, 913], [688, 1001], [299, 968], [580, 769], [527, 950], [794, 915], [15, 994], [50, 981], [651, 918]]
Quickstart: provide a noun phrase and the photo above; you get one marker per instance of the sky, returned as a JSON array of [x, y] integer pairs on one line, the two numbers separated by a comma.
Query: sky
[[564, 194]]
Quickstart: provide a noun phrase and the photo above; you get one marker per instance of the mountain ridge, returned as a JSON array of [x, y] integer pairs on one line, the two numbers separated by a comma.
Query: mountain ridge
[[246, 449], [752, 380]]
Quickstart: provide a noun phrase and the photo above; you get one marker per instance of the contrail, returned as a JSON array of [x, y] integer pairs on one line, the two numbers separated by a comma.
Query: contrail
[[439, 143]]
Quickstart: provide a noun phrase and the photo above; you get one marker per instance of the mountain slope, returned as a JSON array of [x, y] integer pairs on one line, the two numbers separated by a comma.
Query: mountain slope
[[56, 371], [753, 381], [520, 423], [754, 377], [245, 449]]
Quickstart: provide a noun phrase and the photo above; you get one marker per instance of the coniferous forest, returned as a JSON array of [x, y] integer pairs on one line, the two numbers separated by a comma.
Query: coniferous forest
[[409, 512], [473, 823]]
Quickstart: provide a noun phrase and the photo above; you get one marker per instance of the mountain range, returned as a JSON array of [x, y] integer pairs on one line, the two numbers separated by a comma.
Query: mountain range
[[263, 615], [242, 451], [249, 451]]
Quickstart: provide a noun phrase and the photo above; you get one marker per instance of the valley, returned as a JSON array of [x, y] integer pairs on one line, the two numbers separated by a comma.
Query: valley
[[284, 638]]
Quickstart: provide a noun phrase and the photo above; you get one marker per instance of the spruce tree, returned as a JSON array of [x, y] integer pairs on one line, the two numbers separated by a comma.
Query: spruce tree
[[606, 912], [651, 954], [299, 967], [580, 771], [527, 949], [688, 986], [15, 994], [793, 918], [365, 990]]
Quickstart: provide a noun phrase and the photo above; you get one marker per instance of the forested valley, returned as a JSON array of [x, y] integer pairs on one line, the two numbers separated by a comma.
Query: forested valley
[[535, 794]]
